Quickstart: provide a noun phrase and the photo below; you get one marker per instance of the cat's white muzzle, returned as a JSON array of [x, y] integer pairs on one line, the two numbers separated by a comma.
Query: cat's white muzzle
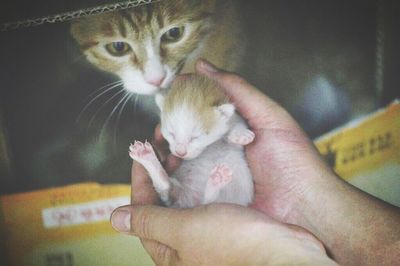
[[135, 82]]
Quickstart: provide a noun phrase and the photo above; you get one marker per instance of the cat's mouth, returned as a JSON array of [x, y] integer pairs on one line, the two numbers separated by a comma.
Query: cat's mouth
[[137, 83]]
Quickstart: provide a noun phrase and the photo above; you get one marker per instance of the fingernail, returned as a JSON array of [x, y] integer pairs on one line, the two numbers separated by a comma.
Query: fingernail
[[207, 66], [121, 221]]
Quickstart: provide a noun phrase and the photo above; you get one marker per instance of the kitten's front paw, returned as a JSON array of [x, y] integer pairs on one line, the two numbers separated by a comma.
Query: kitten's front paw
[[142, 152], [241, 136], [220, 176]]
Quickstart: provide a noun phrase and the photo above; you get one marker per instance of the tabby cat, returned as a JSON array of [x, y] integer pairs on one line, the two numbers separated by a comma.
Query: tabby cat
[[317, 66], [149, 45]]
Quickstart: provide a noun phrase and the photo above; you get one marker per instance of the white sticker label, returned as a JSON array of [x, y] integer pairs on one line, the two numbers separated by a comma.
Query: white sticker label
[[84, 213]]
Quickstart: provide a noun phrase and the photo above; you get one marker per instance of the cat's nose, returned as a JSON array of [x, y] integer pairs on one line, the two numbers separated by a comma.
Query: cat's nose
[[155, 80], [180, 150]]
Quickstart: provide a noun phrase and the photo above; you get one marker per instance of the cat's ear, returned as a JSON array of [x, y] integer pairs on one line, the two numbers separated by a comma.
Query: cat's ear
[[75, 30], [160, 100], [226, 110], [80, 30]]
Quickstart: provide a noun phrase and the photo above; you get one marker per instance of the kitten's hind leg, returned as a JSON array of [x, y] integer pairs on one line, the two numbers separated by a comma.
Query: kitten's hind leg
[[241, 135], [220, 176], [145, 155]]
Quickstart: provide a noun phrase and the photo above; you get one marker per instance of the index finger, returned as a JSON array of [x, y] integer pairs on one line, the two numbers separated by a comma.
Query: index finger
[[258, 109], [142, 190]]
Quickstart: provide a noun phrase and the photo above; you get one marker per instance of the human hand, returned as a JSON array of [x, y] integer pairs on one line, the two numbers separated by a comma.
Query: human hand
[[294, 185], [202, 236], [282, 159], [142, 190], [218, 234]]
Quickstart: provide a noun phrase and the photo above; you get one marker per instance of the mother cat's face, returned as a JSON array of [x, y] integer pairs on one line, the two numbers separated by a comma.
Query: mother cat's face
[[148, 45]]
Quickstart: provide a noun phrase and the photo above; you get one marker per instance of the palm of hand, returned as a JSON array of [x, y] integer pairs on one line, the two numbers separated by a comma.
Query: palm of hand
[[279, 160]]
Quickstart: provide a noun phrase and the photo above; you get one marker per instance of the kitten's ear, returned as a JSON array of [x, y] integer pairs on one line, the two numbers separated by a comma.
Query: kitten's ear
[[160, 100], [226, 110]]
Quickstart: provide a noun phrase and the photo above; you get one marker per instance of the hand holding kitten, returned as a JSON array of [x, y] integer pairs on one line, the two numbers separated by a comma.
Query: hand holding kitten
[[292, 185], [218, 234]]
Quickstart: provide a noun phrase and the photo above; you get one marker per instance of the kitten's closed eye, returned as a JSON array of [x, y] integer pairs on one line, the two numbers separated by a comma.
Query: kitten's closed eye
[[172, 135], [118, 48], [193, 138], [173, 35]]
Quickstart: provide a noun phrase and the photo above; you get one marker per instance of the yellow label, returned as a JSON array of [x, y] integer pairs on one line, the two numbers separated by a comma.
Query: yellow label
[[367, 145]]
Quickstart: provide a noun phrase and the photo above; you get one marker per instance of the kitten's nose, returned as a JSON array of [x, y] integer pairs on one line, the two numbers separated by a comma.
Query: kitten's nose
[[155, 80], [180, 150]]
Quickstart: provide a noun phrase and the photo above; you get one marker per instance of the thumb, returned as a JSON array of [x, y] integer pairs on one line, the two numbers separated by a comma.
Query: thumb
[[150, 222], [258, 109]]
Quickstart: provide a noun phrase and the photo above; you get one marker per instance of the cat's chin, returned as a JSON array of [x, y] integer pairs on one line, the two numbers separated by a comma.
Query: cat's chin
[[142, 89]]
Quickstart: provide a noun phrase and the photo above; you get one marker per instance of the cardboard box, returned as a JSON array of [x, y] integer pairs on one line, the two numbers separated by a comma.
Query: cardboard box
[[366, 153], [67, 226]]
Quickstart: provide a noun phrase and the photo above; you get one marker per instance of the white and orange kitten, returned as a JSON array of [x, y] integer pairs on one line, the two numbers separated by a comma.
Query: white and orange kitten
[[202, 128]]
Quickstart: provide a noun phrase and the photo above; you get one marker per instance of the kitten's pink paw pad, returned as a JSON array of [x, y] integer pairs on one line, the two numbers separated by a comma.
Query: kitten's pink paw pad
[[221, 175], [141, 151], [242, 137]]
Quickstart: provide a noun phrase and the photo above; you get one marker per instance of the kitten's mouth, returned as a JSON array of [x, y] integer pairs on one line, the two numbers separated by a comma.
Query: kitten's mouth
[[184, 157], [179, 156]]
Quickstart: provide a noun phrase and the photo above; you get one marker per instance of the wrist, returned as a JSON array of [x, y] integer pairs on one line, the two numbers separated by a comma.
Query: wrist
[[283, 244], [310, 203], [293, 251]]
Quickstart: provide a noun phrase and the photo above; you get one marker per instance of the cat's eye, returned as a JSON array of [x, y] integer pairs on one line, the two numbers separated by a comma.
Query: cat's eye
[[118, 48], [173, 35]]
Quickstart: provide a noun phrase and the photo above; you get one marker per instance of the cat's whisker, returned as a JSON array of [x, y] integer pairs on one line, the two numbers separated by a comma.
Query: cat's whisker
[[120, 82], [135, 107], [113, 86], [102, 106], [112, 113], [129, 95]]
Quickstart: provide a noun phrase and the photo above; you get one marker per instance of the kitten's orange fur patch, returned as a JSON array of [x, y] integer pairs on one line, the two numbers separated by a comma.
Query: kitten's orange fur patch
[[196, 92]]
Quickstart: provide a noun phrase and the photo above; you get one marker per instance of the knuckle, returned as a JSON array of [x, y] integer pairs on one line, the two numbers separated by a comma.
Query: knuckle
[[164, 254], [142, 224]]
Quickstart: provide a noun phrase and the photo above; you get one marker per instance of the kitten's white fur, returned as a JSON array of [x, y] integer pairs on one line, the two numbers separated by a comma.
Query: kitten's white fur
[[189, 185]]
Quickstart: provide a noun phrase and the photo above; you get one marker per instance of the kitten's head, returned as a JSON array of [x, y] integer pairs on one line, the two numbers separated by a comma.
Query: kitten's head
[[194, 114], [145, 46]]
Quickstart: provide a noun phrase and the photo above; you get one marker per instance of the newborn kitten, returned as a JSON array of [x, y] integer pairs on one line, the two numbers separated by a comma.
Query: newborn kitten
[[203, 129], [147, 46]]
